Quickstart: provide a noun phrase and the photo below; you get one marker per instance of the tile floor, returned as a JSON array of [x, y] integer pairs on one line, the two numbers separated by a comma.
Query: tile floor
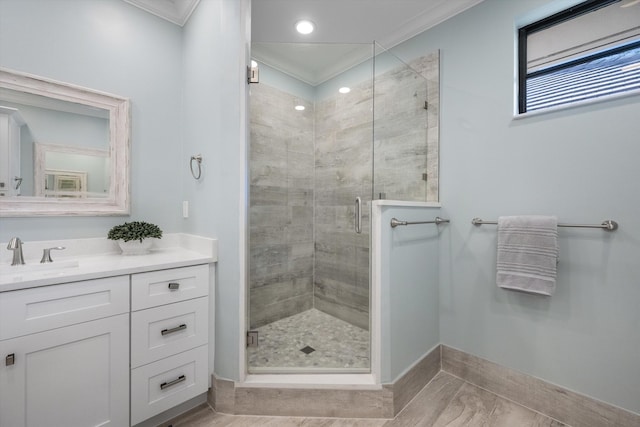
[[446, 401], [334, 344]]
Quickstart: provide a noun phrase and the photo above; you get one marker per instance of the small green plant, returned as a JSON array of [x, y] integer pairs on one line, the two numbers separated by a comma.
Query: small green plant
[[136, 230]]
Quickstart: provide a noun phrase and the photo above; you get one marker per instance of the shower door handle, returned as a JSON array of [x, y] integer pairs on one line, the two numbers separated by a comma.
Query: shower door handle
[[358, 213]]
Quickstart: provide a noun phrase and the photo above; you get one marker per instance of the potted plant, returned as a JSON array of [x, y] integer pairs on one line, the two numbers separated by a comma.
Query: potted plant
[[136, 237]]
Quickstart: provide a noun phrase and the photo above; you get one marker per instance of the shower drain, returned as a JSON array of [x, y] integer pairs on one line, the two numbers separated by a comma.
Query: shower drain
[[307, 350]]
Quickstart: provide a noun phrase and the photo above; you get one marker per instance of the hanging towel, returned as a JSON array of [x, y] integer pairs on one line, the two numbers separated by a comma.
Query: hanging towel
[[527, 253]]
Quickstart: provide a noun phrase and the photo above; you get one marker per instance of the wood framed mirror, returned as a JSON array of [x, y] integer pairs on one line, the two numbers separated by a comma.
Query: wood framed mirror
[[47, 125]]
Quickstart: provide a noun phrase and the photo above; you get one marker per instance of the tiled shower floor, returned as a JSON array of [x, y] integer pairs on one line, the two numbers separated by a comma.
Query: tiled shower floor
[[337, 345]]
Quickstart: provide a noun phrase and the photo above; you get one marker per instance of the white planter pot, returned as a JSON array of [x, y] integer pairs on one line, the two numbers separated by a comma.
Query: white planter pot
[[135, 247]]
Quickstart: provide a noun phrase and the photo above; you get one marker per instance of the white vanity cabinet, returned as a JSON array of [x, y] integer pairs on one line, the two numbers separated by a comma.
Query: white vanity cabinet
[[64, 355], [169, 338], [112, 341]]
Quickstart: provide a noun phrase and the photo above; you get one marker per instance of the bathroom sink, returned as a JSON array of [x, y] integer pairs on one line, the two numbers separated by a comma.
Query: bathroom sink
[[45, 269]]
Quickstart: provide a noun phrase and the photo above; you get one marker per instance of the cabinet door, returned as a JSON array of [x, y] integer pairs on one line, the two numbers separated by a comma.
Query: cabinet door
[[72, 376]]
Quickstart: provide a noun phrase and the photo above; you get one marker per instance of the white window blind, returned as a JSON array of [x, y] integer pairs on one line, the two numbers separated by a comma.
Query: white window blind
[[613, 74], [602, 29]]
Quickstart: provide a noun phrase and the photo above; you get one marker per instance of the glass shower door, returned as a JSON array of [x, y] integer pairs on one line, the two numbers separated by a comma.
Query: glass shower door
[[308, 265]]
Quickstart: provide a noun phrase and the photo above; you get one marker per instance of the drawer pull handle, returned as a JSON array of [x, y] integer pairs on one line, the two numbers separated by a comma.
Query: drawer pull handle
[[174, 382], [10, 359], [172, 330], [174, 286]]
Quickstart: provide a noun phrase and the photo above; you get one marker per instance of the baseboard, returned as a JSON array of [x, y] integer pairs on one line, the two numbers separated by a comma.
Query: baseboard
[[221, 395], [551, 400], [405, 388]]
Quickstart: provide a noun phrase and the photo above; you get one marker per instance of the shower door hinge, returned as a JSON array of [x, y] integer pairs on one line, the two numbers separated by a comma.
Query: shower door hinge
[[253, 75], [252, 338]]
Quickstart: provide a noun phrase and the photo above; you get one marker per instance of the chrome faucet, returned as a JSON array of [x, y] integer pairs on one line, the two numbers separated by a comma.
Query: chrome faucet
[[15, 245], [46, 254]]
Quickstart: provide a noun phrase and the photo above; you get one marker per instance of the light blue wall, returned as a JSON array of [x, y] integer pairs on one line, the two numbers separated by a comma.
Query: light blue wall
[[114, 47], [215, 59], [274, 78], [580, 164], [62, 128], [409, 289], [186, 87]]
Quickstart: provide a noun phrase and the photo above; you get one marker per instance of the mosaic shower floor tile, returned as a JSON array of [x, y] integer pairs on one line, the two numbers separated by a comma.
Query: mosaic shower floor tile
[[334, 344]]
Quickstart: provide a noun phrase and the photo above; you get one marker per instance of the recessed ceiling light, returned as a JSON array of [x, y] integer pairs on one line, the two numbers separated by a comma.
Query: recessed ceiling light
[[254, 64], [299, 107], [305, 27], [344, 90]]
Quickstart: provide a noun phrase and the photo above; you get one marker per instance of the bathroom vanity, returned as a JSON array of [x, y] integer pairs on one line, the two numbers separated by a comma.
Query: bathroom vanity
[[111, 340]]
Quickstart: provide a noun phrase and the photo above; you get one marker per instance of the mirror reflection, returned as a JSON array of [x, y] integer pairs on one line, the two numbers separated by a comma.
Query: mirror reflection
[[64, 149], [55, 148]]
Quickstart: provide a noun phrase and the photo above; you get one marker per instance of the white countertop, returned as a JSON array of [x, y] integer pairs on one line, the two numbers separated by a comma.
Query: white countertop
[[188, 250]]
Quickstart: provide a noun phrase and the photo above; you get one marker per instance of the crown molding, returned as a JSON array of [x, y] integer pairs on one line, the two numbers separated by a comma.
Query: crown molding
[[429, 18], [176, 11]]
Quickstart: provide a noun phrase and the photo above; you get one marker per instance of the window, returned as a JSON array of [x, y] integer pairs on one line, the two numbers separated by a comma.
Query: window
[[585, 52]]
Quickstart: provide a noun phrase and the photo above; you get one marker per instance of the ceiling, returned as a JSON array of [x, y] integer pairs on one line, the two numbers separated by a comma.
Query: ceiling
[[388, 22], [315, 58]]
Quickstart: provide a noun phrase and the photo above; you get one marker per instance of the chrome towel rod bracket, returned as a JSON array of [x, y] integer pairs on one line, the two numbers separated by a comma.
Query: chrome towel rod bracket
[[437, 221], [608, 224]]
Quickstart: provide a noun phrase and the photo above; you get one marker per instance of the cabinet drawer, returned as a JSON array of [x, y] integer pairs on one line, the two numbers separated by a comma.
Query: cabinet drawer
[[160, 332], [168, 382], [39, 309], [167, 286]]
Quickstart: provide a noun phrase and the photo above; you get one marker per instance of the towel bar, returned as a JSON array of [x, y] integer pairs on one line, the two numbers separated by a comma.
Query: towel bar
[[437, 221], [608, 224]]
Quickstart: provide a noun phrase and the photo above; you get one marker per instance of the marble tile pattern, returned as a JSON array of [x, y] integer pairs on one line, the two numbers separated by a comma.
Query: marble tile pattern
[[337, 344], [406, 135], [343, 171], [281, 205], [306, 170], [446, 401]]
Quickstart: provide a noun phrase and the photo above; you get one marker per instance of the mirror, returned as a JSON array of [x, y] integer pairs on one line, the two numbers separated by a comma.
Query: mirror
[[64, 149]]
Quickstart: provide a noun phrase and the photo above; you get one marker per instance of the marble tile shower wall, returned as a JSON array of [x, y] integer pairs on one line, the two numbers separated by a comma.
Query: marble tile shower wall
[[307, 168], [402, 125], [281, 206], [343, 171]]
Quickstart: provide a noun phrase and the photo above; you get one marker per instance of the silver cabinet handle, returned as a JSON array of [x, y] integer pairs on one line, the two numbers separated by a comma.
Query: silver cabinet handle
[[358, 220], [172, 330], [10, 359], [174, 382], [174, 286]]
